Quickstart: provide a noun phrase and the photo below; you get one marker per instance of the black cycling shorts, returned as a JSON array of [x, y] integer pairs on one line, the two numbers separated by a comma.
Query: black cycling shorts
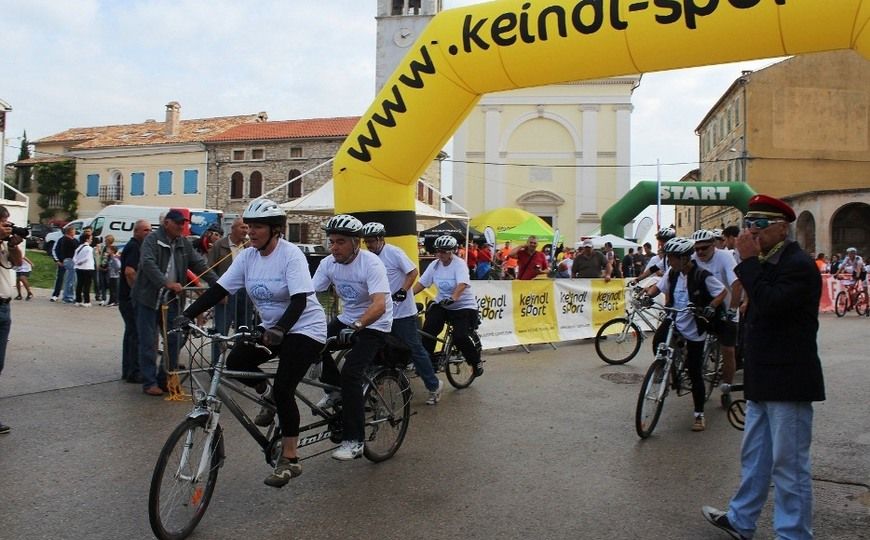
[[726, 331]]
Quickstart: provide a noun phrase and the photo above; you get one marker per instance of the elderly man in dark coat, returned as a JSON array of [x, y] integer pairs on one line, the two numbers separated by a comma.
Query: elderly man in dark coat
[[782, 375]]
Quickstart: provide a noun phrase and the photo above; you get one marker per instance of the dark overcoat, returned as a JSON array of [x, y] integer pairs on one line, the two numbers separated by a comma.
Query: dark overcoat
[[781, 360]]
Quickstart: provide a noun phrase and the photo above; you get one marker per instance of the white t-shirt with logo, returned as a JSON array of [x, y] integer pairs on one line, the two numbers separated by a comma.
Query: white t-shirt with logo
[[446, 278], [721, 265], [355, 282], [271, 281], [685, 320], [398, 265]]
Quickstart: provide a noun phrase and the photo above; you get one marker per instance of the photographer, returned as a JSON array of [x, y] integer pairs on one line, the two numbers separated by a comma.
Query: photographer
[[10, 257]]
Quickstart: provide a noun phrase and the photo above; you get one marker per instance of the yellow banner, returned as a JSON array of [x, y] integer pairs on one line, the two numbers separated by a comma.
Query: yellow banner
[[534, 313]]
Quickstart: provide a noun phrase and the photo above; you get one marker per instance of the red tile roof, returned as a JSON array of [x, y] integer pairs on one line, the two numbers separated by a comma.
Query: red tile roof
[[312, 128], [146, 133]]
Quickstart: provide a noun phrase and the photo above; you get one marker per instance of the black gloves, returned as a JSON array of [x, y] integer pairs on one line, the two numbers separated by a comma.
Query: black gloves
[[400, 295], [273, 336], [346, 336], [181, 322], [446, 302], [708, 312]]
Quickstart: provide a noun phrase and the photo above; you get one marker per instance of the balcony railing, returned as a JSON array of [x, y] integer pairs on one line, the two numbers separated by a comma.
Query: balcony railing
[[55, 201], [111, 194]]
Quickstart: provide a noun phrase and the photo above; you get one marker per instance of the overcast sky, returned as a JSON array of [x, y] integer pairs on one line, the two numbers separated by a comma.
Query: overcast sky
[[89, 63]]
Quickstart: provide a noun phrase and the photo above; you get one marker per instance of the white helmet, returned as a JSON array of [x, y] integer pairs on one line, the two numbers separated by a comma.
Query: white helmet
[[446, 242], [851, 250], [666, 233], [373, 229], [265, 211], [679, 246], [703, 235], [343, 224]]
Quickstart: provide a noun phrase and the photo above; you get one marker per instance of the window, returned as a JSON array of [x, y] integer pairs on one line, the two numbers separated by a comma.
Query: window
[[238, 155], [430, 196], [137, 183], [421, 191], [294, 189], [255, 186], [737, 111], [258, 154], [237, 186], [164, 183], [296, 152], [93, 187], [191, 180], [728, 117], [297, 233]]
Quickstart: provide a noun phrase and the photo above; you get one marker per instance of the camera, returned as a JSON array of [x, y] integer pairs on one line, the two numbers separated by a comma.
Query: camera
[[21, 232]]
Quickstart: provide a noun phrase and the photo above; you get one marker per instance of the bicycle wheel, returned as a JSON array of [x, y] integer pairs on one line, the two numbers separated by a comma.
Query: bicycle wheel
[[387, 410], [179, 496], [841, 304], [861, 303], [651, 399], [618, 341], [460, 374], [711, 369]]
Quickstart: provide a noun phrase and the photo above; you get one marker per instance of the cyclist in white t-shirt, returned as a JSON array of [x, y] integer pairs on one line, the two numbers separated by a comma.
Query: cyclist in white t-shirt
[[454, 301], [721, 263], [360, 280], [402, 273], [658, 263], [275, 274], [852, 269]]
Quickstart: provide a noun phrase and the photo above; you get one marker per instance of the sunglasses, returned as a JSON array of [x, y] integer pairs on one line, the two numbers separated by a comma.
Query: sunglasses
[[443, 251], [759, 222], [703, 248]]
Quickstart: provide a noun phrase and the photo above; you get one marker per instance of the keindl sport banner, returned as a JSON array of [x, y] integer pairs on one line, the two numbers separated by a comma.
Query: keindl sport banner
[[545, 311]]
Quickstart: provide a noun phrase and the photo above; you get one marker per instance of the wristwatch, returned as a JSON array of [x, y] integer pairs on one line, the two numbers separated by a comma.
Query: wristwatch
[[357, 325]]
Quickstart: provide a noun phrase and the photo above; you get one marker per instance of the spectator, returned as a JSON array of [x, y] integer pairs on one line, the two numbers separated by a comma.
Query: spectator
[[126, 305], [628, 264], [647, 254], [471, 259], [530, 262], [208, 238], [589, 263], [22, 277], [782, 376], [638, 263], [113, 274], [821, 263], [83, 259], [507, 262], [102, 268], [237, 307], [563, 267], [10, 255], [64, 251], [835, 263], [484, 259], [612, 261], [163, 262]]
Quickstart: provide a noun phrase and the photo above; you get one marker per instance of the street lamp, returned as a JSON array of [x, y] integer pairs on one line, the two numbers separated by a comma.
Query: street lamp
[[4, 108]]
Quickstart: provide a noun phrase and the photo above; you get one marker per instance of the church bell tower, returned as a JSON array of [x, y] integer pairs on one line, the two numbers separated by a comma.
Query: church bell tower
[[400, 23]]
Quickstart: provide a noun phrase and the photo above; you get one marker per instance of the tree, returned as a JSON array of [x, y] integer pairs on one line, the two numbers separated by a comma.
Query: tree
[[22, 174], [57, 179]]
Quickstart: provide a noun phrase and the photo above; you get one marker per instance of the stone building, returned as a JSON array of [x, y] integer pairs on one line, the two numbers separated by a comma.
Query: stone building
[[799, 129]]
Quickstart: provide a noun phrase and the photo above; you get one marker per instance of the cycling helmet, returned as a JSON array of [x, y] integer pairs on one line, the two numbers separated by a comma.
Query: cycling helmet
[[717, 233], [679, 246], [446, 242], [666, 233], [851, 250], [703, 235], [343, 224], [373, 229], [265, 211]]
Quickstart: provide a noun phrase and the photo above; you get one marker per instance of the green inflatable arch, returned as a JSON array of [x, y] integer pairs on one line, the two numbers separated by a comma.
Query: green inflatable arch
[[644, 194]]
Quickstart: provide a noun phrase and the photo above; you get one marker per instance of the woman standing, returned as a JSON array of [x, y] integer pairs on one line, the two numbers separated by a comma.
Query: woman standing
[[83, 261]]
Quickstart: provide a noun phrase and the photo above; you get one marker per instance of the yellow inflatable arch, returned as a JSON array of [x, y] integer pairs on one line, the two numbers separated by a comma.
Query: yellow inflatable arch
[[467, 52]]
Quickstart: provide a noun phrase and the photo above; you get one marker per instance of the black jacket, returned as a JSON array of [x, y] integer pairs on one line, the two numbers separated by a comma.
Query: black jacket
[[782, 323]]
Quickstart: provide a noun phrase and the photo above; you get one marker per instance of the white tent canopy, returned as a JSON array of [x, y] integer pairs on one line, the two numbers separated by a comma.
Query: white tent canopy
[[618, 242], [321, 201]]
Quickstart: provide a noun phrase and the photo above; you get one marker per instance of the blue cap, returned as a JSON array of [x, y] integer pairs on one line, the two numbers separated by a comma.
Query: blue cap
[[176, 216]]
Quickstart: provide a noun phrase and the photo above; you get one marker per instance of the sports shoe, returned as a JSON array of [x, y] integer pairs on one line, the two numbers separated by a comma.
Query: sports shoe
[[720, 520], [79, 304], [86, 304], [153, 391], [329, 400], [4, 428], [699, 424], [435, 395], [284, 471], [349, 450], [478, 369], [264, 418], [53, 299]]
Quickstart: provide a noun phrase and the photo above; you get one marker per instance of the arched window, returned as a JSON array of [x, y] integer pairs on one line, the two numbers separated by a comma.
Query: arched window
[[294, 189], [805, 231], [255, 188], [850, 227], [237, 185]]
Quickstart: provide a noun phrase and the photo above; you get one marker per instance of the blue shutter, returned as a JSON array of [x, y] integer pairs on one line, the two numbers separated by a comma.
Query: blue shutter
[[190, 181], [93, 189], [164, 183], [137, 183]]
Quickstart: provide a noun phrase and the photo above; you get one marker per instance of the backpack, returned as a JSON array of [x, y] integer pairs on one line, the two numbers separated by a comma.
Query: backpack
[[698, 294]]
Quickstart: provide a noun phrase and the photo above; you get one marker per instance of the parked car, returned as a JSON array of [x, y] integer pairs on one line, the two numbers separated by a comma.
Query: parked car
[[37, 234], [55, 235], [311, 249]]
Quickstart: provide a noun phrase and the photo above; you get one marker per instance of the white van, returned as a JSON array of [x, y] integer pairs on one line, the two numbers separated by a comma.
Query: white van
[[52, 237], [118, 220]]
